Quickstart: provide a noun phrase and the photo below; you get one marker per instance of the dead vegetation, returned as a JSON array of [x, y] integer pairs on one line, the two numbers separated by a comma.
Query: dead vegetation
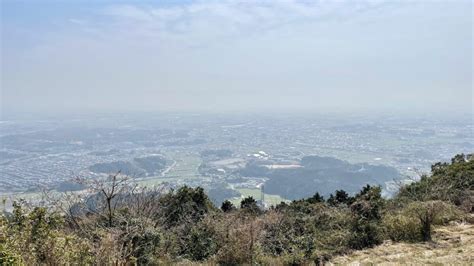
[[452, 244]]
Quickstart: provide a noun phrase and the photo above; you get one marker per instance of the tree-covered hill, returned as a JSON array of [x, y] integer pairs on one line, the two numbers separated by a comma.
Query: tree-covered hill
[[138, 167], [321, 174]]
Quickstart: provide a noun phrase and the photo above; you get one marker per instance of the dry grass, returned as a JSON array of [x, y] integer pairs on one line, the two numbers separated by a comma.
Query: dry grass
[[453, 244]]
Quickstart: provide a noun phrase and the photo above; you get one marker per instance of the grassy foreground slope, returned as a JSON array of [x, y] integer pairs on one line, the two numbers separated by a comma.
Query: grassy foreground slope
[[451, 244]]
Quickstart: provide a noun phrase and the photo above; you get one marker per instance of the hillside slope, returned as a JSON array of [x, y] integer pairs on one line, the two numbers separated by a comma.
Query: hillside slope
[[453, 244]]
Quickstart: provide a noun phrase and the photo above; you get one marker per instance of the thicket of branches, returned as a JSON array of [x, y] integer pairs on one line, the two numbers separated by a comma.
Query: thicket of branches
[[116, 222]]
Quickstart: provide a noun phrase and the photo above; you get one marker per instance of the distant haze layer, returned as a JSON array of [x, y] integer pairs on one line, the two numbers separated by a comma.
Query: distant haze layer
[[60, 56]]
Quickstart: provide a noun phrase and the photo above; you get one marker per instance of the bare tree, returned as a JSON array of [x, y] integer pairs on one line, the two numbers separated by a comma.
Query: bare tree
[[108, 188], [427, 212]]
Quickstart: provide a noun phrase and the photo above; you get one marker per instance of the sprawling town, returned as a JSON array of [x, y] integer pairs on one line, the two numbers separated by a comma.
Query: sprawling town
[[230, 155]]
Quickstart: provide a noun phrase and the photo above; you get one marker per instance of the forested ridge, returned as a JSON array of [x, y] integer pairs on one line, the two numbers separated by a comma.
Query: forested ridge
[[119, 223]]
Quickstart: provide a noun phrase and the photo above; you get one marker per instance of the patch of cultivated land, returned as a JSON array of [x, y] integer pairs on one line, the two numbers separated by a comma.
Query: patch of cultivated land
[[256, 194], [453, 244], [184, 166]]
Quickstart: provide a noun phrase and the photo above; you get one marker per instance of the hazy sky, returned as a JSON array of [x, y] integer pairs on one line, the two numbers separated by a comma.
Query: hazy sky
[[77, 56]]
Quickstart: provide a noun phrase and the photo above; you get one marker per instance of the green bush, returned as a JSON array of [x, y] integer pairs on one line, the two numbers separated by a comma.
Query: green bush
[[452, 182], [430, 213], [35, 237], [414, 221], [186, 205], [202, 242], [366, 218], [9, 257], [400, 227]]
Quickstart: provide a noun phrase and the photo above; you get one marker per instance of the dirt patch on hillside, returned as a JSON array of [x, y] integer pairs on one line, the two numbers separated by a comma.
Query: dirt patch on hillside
[[453, 244]]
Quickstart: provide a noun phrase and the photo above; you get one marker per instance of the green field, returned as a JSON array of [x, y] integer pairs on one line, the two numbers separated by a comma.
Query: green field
[[255, 193], [185, 167]]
